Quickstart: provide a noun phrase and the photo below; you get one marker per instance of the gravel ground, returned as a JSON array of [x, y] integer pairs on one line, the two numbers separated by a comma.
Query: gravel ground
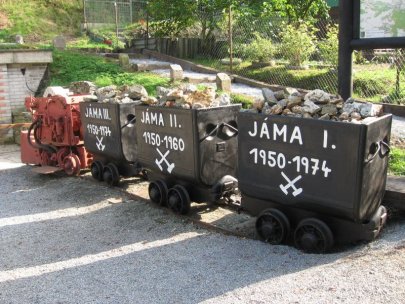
[[73, 240]]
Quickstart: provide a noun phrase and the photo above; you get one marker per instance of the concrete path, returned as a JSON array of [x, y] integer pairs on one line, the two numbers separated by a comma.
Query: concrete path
[[74, 240]]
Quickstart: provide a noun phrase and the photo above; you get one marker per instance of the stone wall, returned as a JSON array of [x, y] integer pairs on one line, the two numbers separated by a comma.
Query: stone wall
[[13, 84]]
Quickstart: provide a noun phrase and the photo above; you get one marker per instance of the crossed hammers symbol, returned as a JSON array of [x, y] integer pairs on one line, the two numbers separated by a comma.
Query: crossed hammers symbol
[[291, 184], [170, 166], [99, 144]]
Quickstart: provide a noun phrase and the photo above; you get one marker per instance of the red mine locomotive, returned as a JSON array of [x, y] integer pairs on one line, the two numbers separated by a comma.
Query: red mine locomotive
[[54, 141]]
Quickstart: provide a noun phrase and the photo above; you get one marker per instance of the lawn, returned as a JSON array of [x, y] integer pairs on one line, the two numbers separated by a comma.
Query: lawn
[[397, 162], [71, 66], [370, 81]]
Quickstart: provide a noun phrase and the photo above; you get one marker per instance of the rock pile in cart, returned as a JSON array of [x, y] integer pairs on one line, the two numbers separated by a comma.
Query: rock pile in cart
[[315, 104], [185, 96]]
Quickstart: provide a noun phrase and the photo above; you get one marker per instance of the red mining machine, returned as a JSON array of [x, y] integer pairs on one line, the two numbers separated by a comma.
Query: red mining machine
[[54, 140]]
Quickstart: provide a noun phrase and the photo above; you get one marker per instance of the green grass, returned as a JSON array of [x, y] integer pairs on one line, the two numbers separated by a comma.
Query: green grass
[[84, 43], [371, 81], [39, 20], [71, 66], [397, 162]]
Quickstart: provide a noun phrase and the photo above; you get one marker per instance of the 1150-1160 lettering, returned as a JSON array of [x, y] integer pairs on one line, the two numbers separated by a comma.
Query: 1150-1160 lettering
[[278, 160]]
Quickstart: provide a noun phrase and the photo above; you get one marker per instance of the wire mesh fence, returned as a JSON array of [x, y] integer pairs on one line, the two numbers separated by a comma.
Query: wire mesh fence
[[113, 14], [267, 49]]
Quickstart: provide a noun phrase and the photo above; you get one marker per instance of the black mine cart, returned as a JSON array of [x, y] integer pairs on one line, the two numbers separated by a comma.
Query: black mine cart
[[109, 133], [321, 180], [191, 155]]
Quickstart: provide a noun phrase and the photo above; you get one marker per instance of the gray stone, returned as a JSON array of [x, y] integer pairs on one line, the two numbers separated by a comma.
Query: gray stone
[[137, 91], [176, 72], [223, 82], [19, 39], [276, 109], [126, 100], [266, 108], [318, 96], [293, 100], [324, 117], [123, 60], [287, 112], [297, 110], [307, 115], [269, 96], [59, 42], [162, 91], [355, 116], [344, 116], [370, 110], [174, 94], [149, 100], [188, 88], [258, 104], [291, 91], [214, 104], [310, 107], [82, 87], [282, 103], [329, 109], [279, 95], [197, 105], [224, 99]]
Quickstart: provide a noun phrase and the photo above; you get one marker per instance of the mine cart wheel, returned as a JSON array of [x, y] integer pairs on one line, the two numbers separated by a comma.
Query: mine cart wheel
[[158, 192], [97, 170], [179, 200], [111, 174], [60, 156], [71, 165], [313, 236], [272, 226]]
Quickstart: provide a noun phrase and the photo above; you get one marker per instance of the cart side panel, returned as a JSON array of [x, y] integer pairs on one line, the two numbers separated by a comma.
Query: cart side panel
[[217, 153], [102, 129], [302, 163], [128, 132], [166, 141], [375, 171]]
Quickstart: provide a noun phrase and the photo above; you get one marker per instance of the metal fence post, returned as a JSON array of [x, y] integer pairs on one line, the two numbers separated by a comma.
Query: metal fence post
[[116, 19], [130, 11], [230, 40]]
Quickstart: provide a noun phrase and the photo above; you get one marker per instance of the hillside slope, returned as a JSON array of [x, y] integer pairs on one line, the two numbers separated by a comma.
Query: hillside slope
[[39, 20]]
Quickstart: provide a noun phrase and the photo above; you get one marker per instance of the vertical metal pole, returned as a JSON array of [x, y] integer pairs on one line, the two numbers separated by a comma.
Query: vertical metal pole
[[116, 20], [230, 39], [346, 20], [147, 26], [130, 11], [84, 14]]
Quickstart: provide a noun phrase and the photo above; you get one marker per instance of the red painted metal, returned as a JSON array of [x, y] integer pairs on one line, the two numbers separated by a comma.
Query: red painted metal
[[55, 137]]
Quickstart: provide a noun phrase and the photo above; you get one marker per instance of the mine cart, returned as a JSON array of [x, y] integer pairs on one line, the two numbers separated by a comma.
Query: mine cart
[[109, 133], [54, 141], [191, 153], [319, 182]]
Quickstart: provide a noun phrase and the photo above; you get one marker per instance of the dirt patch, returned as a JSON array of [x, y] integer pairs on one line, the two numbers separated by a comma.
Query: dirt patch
[[4, 21]]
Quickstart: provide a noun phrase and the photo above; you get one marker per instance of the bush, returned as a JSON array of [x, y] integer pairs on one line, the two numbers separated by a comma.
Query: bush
[[260, 49], [329, 47], [297, 43], [245, 100]]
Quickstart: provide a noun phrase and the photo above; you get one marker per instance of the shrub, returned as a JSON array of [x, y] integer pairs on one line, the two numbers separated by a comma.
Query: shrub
[[297, 43], [260, 49], [243, 99], [329, 47]]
